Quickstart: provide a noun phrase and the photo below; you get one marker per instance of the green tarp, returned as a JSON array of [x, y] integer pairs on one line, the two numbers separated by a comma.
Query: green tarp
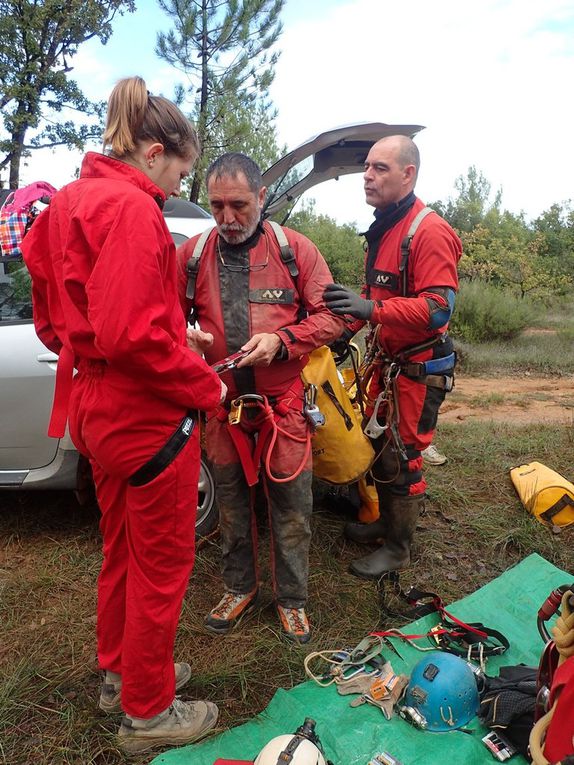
[[352, 735]]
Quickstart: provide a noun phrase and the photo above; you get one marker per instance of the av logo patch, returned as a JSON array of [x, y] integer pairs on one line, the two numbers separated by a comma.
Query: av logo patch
[[384, 279], [281, 295]]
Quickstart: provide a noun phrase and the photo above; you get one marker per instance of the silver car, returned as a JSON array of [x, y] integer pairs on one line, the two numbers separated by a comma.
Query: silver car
[[29, 459]]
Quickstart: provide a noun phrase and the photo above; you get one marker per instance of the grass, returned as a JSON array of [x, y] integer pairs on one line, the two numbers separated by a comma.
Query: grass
[[544, 350], [544, 354], [486, 400], [474, 529]]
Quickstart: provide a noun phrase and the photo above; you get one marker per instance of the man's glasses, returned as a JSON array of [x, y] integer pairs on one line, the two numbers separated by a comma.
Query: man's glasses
[[235, 268]]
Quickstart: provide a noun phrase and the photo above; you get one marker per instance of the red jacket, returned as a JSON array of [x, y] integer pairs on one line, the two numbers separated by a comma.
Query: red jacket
[[104, 283], [434, 254], [272, 300]]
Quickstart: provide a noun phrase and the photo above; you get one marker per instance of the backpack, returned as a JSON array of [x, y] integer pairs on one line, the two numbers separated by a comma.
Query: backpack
[[17, 215]]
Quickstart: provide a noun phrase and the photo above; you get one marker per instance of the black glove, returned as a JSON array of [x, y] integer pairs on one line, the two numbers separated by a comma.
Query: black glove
[[341, 301], [340, 346]]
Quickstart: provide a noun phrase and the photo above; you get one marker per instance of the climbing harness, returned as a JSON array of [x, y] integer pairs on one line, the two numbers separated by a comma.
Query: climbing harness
[[251, 456], [472, 641], [380, 372]]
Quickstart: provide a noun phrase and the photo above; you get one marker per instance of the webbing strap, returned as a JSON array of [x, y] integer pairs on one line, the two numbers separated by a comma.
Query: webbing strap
[[192, 265], [249, 457], [62, 392], [287, 255], [563, 502], [406, 247]]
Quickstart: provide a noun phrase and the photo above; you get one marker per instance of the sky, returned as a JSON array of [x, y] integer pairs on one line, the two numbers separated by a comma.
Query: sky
[[490, 80]]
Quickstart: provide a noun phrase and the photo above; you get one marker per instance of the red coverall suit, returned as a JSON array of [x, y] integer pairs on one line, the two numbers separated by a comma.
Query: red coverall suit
[[235, 303], [404, 322], [105, 296]]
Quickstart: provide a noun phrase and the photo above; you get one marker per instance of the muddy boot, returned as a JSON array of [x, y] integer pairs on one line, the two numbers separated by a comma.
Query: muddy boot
[[402, 515], [374, 532]]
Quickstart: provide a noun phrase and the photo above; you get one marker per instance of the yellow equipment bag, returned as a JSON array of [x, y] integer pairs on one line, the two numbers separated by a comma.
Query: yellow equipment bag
[[544, 493], [342, 453]]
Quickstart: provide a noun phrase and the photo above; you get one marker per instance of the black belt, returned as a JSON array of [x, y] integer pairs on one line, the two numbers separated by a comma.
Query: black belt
[[166, 455]]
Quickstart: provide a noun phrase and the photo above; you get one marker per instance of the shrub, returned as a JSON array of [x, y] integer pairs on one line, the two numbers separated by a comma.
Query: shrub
[[484, 313]]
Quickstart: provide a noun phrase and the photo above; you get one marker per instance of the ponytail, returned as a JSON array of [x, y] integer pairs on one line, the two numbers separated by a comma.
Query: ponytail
[[134, 115]]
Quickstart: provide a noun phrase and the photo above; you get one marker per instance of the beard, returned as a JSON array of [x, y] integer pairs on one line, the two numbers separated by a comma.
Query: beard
[[236, 234]]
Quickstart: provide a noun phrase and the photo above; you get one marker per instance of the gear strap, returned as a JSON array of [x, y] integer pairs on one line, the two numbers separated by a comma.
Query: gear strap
[[472, 641], [250, 456], [406, 248], [192, 265]]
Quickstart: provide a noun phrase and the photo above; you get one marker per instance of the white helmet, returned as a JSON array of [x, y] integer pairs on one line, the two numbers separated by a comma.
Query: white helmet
[[291, 748]]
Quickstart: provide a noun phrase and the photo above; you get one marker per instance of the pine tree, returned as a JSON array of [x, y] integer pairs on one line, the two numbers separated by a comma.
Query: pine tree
[[38, 40], [224, 49]]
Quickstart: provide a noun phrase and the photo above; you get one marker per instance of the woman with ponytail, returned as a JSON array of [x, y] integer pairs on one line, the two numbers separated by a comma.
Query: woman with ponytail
[[105, 299]]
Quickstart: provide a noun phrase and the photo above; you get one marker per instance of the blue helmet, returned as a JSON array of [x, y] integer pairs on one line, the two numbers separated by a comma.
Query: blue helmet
[[443, 690]]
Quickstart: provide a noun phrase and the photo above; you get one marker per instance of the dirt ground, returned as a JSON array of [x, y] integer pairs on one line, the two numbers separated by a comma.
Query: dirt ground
[[521, 399]]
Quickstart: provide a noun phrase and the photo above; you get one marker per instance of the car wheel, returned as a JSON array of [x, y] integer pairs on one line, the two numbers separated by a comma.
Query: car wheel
[[207, 509]]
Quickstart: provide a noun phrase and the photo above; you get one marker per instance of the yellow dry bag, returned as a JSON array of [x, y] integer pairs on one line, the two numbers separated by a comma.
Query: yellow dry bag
[[544, 493], [342, 453]]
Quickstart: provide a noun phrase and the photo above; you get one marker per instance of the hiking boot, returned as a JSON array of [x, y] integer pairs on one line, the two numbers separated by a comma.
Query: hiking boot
[[294, 623], [183, 722], [110, 696], [230, 611], [432, 456]]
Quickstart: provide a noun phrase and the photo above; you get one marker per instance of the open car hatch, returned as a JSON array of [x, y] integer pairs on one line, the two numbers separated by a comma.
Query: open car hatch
[[328, 155]]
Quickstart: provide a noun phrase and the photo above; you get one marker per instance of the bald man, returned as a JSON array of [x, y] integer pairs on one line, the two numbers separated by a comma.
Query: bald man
[[408, 296]]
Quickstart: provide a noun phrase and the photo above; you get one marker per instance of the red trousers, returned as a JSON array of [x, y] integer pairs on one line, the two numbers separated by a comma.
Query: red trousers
[[148, 531]]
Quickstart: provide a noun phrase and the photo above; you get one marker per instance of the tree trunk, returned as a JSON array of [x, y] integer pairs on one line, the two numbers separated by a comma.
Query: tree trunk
[[201, 117]]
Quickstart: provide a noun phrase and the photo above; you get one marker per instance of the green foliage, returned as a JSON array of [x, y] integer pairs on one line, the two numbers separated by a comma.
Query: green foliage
[[250, 131], [224, 50], [484, 312], [341, 246], [566, 335], [21, 281], [556, 228], [503, 249], [472, 206], [38, 38], [510, 257]]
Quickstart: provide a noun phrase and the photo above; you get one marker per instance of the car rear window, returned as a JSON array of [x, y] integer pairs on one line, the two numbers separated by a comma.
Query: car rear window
[[15, 292]]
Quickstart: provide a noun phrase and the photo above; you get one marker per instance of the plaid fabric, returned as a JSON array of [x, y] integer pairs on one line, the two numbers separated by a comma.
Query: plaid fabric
[[13, 225]]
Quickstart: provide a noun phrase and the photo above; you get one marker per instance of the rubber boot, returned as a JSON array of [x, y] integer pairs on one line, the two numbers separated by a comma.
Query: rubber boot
[[374, 532], [402, 514]]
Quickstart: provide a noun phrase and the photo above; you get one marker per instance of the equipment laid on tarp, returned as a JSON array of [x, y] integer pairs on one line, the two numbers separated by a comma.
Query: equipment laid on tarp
[[507, 704], [544, 493], [300, 748], [441, 694], [355, 735]]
